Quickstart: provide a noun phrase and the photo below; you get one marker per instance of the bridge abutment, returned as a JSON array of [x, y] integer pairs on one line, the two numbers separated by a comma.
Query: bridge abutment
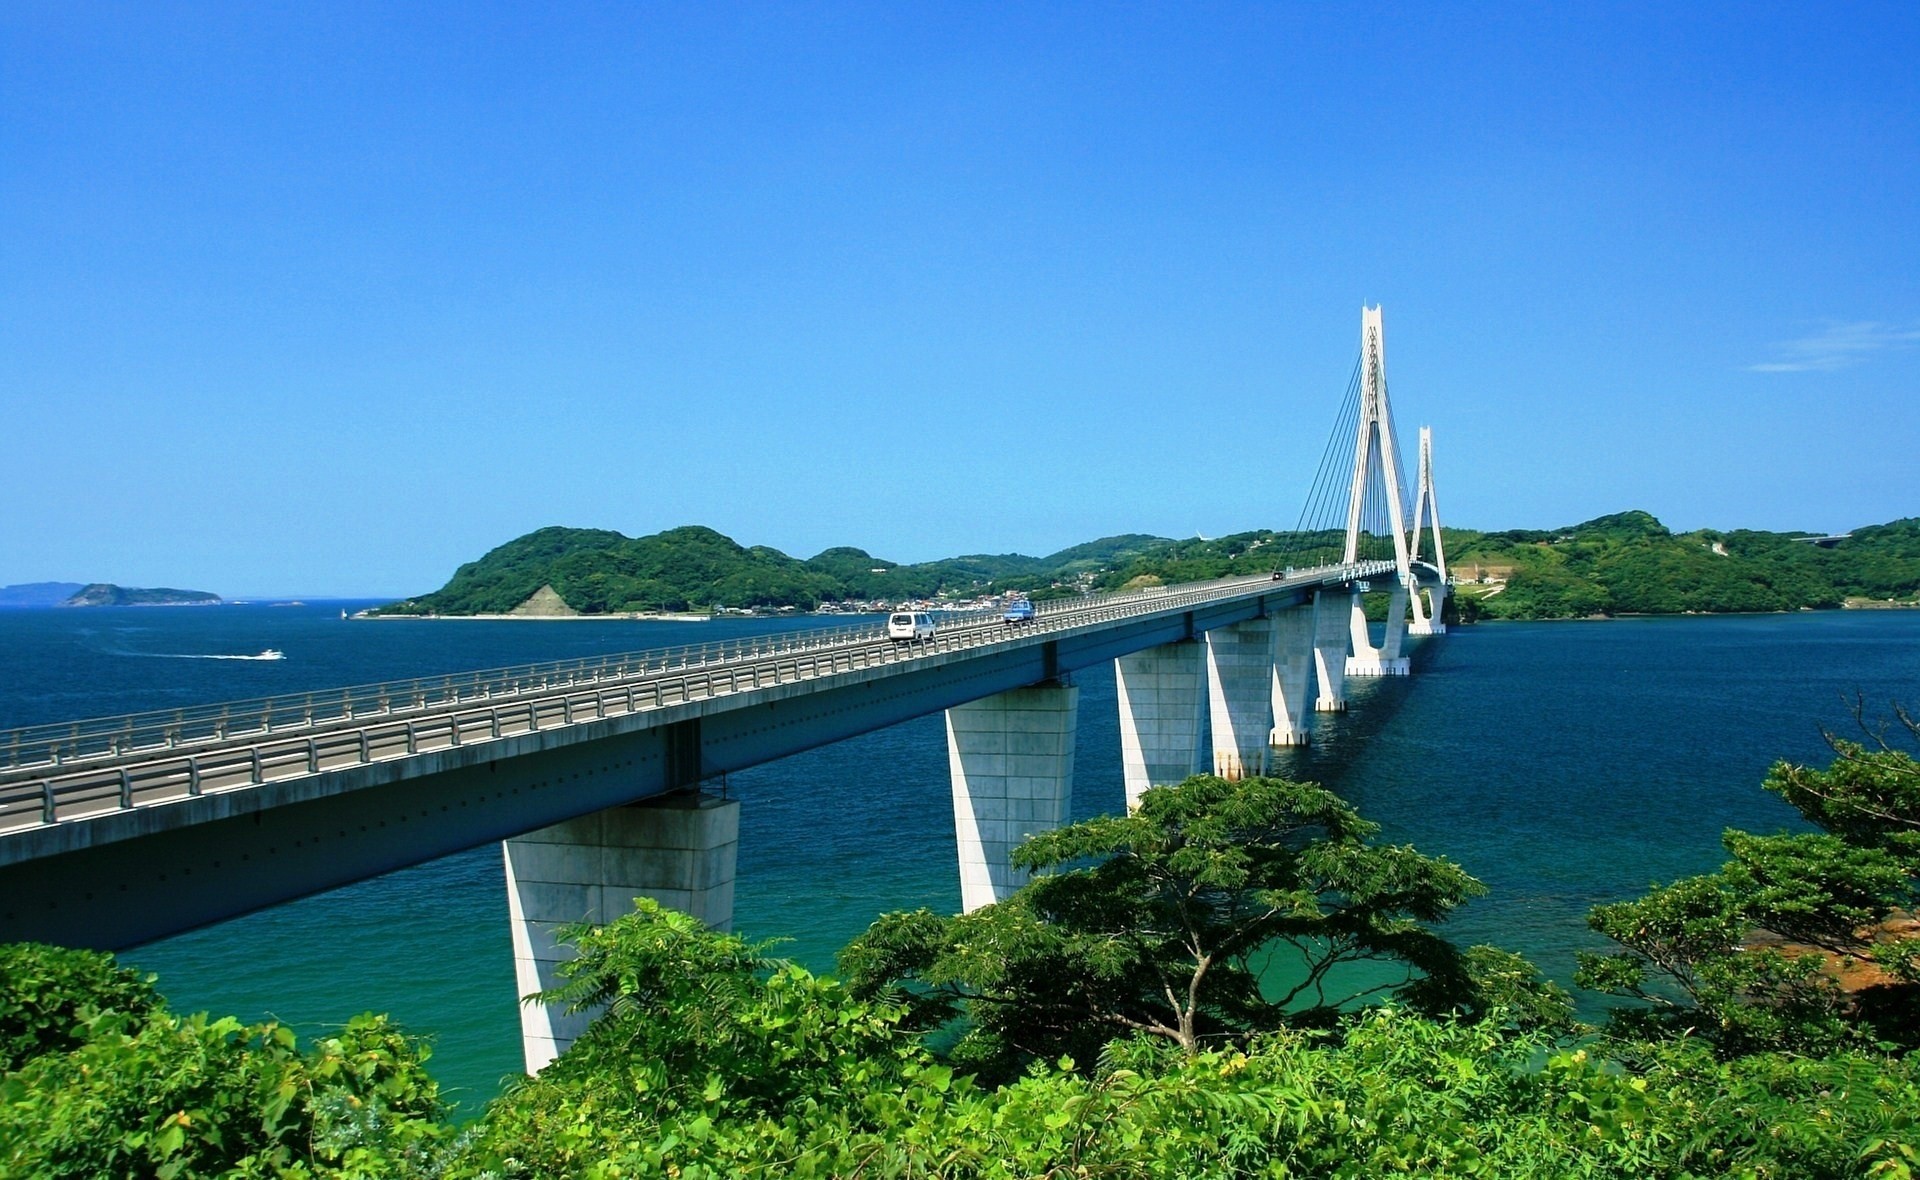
[[1163, 700], [1385, 660], [678, 849], [1011, 759], [1240, 696]]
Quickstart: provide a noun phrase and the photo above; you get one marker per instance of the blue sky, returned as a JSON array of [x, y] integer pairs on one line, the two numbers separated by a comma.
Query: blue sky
[[329, 298]]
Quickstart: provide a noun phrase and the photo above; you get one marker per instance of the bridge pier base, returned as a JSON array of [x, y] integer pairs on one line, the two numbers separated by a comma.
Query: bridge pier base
[[1293, 678], [1330, 637], [1162, 701], [1011, 759], [677, 849], [1385, 660], [1240, 697], [1427, 621]]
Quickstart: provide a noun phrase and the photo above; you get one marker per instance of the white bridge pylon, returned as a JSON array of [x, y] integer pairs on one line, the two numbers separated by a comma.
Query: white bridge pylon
[[1426, 618], [1376, 463]]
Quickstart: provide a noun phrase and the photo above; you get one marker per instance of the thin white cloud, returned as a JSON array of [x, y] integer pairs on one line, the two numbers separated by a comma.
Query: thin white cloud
[[1836, 346]]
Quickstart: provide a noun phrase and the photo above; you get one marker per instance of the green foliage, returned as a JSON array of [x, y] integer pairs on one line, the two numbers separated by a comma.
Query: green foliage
[[49, 996], [1751, 958], [1395, 1094], [1630, 563], [596, 571], [700, 1032], [1152, 923], [144, 1092]]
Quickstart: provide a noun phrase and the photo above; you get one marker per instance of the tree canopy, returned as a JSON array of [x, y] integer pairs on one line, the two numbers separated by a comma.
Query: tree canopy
[[1215, 910]]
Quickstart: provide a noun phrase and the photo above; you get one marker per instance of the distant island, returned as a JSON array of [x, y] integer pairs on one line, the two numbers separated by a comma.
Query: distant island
[[1625, 563], [38, 594], [52, 594]]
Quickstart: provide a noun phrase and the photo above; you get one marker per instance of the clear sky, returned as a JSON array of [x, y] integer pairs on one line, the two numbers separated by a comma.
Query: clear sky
[[328, 298]]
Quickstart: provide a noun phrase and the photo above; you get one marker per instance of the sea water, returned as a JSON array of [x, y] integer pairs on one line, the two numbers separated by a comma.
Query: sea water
[[1564, 764]]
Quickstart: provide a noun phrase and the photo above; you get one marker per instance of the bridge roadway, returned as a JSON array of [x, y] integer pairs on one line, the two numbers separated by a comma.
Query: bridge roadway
[[122, 830]]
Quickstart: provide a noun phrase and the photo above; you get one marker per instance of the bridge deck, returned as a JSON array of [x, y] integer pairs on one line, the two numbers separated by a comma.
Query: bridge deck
[[62, 774]]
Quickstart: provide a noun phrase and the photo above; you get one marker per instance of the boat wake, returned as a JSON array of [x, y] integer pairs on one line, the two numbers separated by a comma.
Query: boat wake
[[269, 654]]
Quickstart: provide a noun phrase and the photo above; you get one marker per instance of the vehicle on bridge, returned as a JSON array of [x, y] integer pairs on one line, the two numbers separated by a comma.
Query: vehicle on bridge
[[910, 626], [1018, 611]]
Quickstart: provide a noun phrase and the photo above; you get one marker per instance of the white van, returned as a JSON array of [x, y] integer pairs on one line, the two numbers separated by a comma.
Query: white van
[[907, 626]]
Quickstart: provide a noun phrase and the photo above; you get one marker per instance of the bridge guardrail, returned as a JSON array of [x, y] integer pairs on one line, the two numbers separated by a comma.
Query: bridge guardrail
[[443, 712]]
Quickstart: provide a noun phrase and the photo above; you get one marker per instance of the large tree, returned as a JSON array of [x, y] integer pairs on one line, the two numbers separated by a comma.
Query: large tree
[[1216, 909]]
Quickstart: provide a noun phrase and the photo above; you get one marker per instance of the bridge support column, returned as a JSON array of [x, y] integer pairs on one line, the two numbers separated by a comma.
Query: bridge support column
[[1330, 635], [677, 849], [1011, 758], [1427, 622], [1293, 678], [1385, 660], [1162, 699], [1240, 696]]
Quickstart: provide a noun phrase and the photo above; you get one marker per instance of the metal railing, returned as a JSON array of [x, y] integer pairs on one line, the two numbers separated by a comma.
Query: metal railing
[[84, 768]]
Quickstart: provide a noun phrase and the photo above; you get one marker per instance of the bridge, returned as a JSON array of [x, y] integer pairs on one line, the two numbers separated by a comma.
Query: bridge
[[117, 831]]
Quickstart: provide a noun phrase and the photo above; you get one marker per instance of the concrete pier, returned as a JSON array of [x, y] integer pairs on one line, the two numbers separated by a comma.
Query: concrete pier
[[1011, 759], [1330, 636], [1163, 701], [1427, 621], [1240, 697], [1293, 676], [678, 849], [1385, 660]]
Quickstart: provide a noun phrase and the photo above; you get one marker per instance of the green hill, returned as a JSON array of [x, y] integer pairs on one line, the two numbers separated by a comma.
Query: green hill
[[1630, 563], [1624, 563], [596, 571]]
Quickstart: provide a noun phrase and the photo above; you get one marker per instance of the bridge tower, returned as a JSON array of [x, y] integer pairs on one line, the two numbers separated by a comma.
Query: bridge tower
[[1377, 456], [1426, 513]]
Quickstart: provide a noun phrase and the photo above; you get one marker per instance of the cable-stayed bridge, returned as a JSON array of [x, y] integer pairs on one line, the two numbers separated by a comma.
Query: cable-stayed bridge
[[116, 831]]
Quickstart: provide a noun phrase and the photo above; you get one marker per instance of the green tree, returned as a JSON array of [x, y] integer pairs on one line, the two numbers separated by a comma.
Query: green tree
[[1752, 956], [1160, 922], [108, 1082], [50, 996]]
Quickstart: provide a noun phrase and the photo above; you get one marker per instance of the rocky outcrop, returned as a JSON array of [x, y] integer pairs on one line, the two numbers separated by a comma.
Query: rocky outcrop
[[544, 603]]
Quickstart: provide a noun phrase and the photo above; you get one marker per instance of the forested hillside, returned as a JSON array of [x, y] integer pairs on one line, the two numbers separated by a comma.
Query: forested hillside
[[1629, 563], [1626, 563], [598, 571]]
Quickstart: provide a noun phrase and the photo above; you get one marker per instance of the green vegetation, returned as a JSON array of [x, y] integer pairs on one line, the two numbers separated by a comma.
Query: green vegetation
[[596, 572], [1628, 563], [1109, 1020], [1166, 921], [102, 1080]]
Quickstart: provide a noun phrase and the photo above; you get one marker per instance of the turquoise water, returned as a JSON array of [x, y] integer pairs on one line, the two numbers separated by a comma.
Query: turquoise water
[[1564, 764]]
